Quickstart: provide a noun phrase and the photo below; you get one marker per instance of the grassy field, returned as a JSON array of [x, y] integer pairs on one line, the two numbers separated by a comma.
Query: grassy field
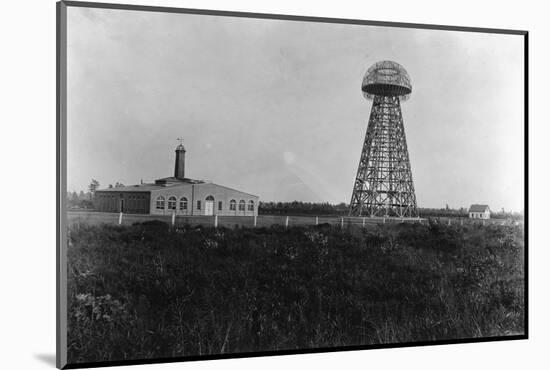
[[146, 291]]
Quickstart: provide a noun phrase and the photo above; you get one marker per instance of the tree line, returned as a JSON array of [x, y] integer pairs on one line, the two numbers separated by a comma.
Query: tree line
[[342, 209], [302, 208], [85, 200]]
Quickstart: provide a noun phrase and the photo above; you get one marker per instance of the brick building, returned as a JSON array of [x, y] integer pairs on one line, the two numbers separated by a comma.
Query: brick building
[[178, 194]]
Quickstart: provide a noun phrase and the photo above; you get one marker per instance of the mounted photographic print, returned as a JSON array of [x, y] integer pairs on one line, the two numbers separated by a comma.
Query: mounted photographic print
[[235, 184]]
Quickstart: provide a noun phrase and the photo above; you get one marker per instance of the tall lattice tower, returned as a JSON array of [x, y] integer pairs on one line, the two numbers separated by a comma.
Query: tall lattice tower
[[384, 185]]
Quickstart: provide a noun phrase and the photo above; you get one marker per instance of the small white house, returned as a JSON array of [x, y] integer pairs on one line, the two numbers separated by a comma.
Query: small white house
[[480, 211]]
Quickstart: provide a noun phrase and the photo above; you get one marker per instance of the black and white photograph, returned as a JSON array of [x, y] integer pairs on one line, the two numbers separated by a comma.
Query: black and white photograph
[[238, 185]]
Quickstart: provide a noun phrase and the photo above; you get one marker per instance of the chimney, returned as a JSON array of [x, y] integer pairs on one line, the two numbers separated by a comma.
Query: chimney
[[179, 171]]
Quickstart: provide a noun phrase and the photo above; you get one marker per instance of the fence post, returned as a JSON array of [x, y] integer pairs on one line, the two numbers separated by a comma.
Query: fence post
[[173, 218], [286, 222], [255, 220], [449, 222], [342, 222], [363, 221], [383, 220], [461, 222], [216, 221], [120, 219], [483, 222], [316, 220]]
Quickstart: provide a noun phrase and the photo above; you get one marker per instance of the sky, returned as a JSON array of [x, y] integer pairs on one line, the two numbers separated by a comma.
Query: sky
[[274, 107]]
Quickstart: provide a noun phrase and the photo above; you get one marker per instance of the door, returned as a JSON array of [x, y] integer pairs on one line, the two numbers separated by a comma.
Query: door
[[209, 208]]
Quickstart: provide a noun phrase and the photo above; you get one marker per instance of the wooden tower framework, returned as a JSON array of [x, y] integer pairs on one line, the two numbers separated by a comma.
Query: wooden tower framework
[[384, 185]]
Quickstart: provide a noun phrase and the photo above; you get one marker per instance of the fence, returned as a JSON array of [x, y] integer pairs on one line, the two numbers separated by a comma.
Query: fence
[[96, 218]]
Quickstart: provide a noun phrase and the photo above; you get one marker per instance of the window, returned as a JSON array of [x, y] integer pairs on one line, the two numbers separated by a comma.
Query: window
[[241, 205], [172, 202], [210, 198], [232, 205], [220, 205], [198, 204], [251, 205], [160, 202], [183, 204]]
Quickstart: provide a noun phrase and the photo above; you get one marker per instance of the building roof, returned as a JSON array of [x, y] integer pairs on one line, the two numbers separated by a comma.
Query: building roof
[[173, 179], [132, 188], [165, 185], [478, 208], [228, 188]]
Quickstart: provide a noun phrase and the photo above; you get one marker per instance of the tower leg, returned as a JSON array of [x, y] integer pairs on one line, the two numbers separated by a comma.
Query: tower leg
[[383, 186]]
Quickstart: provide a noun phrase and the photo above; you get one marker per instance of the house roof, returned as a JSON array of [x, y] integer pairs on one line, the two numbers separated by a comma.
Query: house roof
[[478, 208]]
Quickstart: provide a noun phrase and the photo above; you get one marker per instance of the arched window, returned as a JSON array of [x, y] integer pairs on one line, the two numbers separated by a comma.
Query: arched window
[[183, 204], [251, 205], [160, 202], [232, 205], [210, 198], [172, 202], [241, 205]]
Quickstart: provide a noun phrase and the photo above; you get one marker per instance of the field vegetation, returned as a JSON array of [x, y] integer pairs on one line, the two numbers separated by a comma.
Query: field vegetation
[[148, 291]]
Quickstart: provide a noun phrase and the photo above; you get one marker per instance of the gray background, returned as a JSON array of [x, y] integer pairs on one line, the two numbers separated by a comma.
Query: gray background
[[274, 107]]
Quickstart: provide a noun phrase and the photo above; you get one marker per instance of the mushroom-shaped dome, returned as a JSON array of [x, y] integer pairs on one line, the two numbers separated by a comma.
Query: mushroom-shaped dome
[[386, 78]]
